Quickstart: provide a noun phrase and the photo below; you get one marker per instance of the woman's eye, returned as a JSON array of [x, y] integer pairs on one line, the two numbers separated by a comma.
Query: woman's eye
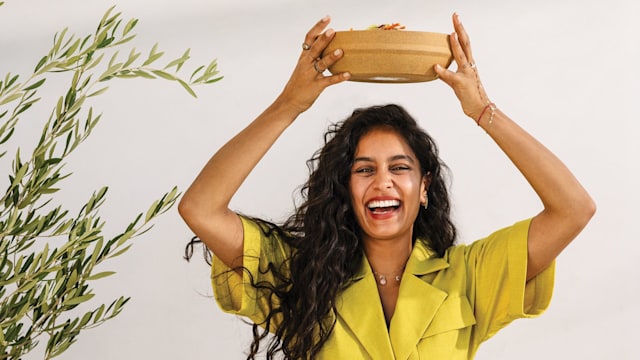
[[399, 168], [364, 170]]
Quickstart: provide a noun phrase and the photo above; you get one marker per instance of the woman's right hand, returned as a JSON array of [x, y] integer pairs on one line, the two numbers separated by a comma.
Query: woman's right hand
[[308, 80]]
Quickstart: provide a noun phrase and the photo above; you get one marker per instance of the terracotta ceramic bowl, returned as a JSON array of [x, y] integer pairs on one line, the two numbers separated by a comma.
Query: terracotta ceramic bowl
[[390, 56]]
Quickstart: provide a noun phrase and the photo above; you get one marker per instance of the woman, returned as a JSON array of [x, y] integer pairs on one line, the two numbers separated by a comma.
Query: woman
[[366, 268]]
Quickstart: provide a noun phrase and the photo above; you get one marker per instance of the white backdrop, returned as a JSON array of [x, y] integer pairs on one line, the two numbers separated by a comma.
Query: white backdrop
[[567, 71]]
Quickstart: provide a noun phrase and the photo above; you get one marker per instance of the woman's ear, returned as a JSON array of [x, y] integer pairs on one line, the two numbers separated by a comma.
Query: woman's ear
[[424, 188]]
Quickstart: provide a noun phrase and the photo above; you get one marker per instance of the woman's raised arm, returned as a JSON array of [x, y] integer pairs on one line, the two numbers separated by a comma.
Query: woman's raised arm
[[567, 206], [205, 205]]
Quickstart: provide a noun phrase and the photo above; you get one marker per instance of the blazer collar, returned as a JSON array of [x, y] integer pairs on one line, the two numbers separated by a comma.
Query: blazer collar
[[422, 261], [360, 308]]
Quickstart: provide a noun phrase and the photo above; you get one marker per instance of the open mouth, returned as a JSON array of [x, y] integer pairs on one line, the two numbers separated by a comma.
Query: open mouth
[[383, 206]]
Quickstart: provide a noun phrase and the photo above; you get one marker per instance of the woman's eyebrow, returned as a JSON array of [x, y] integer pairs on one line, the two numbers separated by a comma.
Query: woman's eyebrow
[[402, 157], [392, 158], [362, 159]]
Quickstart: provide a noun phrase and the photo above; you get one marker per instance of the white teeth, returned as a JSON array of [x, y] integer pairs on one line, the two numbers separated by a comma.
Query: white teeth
[[383, 204]]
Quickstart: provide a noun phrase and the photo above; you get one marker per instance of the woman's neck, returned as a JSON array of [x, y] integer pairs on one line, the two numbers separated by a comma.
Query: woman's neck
[[388, 257]]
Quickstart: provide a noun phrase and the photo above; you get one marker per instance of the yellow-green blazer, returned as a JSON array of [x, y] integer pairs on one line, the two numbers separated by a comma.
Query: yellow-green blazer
[[446, 306]]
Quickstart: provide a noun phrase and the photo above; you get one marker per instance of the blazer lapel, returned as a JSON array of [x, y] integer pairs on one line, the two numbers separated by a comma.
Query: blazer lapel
[[360, 308], [418, 301]]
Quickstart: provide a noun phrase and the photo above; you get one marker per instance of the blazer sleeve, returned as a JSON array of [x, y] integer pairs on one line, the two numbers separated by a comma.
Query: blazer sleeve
[[498, 289], [248, 294]]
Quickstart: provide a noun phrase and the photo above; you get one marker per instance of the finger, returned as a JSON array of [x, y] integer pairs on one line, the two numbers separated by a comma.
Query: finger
[[444, 74], [329, 59], [324, 63], [463, 37], [321, 43], [315, 31], [458, 54], [335, 79]]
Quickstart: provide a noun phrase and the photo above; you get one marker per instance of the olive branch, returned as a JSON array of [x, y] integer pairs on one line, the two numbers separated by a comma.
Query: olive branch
[[45, 289]]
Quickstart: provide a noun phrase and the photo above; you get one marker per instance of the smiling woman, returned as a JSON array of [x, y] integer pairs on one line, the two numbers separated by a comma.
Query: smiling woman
[[366, 267], [386, 186]]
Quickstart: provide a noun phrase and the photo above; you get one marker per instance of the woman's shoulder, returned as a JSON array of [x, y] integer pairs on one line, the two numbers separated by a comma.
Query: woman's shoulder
[[515, 233]]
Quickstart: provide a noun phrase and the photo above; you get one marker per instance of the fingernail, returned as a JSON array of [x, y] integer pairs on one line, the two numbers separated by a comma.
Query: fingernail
[[329, 32], [346, 75], [337, 52], [438, 67], [326, 18]]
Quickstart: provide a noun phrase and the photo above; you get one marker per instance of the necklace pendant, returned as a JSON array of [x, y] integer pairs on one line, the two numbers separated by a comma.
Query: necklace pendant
[[383, 280]]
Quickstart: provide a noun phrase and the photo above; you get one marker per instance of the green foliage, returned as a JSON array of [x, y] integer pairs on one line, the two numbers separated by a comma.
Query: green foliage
[[45, 290]]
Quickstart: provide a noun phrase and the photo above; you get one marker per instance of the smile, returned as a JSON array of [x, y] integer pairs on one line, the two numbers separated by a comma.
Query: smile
[[383, 206]]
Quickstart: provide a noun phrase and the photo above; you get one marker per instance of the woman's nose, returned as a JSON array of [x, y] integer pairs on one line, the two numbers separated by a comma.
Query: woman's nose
[[383, 180]]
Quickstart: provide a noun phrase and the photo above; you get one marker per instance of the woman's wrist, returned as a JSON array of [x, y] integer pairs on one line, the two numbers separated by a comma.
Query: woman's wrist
[[475, 111], [488, 113], [284, 110]]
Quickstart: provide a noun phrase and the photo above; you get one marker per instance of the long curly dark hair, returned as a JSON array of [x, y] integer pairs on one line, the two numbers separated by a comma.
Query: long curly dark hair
[[324, 235]]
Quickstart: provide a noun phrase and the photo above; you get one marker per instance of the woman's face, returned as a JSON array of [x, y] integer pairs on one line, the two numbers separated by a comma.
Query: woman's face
[[387, 186]]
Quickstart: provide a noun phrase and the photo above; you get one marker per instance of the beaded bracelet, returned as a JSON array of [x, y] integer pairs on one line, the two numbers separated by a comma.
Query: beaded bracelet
[[491, 106], [493, 112]]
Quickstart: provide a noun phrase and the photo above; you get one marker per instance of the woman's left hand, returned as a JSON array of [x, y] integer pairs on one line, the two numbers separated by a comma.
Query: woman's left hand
[[567, 205], [465, 81]]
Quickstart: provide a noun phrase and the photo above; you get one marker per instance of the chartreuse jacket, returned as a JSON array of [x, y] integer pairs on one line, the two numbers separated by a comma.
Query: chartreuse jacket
[[446, 306]]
